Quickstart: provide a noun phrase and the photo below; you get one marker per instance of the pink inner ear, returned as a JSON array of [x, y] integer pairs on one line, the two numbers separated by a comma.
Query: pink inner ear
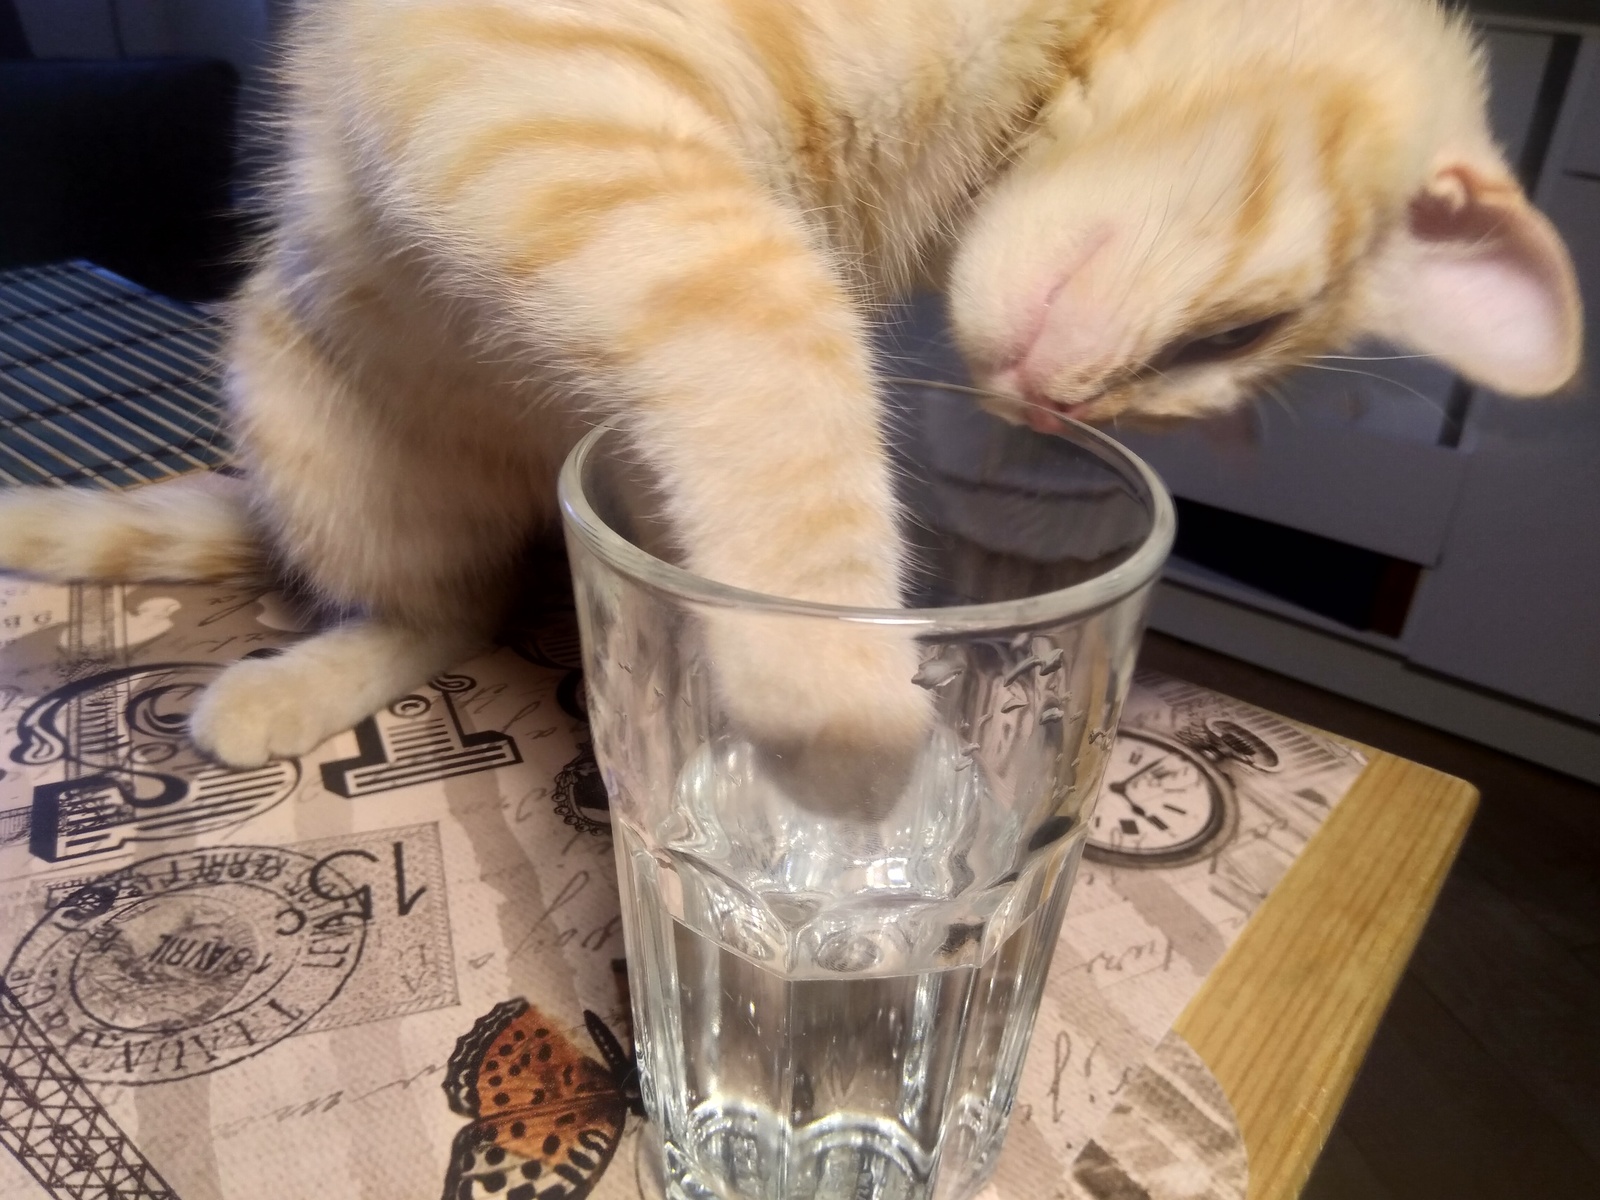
[[1459, 205], [1486, 284]]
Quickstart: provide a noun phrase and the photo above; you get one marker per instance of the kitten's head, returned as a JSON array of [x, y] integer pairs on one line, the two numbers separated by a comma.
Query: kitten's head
[[1161, 249]]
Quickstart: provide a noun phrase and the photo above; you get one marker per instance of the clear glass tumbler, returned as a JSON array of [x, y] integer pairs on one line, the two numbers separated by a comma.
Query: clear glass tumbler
[[832, 1001]]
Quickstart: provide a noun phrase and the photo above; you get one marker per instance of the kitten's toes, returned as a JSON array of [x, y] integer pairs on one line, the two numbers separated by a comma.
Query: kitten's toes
[[261, 709], [835, 710]]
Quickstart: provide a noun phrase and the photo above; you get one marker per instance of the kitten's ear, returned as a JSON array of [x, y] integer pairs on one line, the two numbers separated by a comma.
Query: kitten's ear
[[1477, 277]]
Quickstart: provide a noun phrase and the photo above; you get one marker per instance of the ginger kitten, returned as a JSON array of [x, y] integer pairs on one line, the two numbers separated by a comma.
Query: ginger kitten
[[502, 219]]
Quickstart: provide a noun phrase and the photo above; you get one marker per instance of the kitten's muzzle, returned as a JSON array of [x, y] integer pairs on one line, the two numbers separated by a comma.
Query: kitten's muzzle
[[1021, 402]]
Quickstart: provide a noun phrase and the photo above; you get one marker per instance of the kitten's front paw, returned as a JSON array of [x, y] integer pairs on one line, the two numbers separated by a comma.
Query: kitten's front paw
[[262, 709], [834, 710]]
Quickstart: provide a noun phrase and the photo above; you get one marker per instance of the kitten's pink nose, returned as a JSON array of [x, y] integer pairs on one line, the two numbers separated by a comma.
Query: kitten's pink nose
[[1078, 347], [1072, 338], [1039, 412]]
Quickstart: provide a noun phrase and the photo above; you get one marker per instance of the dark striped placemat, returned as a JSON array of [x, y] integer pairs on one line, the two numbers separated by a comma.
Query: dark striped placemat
[[103, 383]]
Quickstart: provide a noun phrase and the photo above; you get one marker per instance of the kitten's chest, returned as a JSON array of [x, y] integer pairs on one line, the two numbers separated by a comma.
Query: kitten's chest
[[900, 151], [888, 204]]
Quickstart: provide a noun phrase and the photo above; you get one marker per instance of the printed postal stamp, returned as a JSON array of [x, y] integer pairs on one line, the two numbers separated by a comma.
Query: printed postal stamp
[[188, 962]]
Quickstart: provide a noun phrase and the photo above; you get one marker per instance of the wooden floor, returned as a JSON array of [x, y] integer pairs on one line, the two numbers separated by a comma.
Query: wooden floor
[[1484, 1080]]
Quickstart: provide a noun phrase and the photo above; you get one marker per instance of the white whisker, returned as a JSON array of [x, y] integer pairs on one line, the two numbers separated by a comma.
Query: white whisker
[[1405, 387], [1370, 357], [1276, 392], [1017, 401]]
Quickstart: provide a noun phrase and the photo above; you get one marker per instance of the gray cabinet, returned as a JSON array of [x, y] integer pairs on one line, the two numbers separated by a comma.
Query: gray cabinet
[[1514, 601]]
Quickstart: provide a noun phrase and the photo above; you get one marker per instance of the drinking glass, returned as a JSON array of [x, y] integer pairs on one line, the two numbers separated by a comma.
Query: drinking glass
[[832, 1001]]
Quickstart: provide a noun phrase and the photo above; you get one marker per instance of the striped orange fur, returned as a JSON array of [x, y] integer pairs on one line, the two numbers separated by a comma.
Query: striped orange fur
[[500, 218]]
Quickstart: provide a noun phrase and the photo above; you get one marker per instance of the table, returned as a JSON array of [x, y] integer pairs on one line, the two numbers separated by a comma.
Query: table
[[1282, 1021], [1286, 1018]]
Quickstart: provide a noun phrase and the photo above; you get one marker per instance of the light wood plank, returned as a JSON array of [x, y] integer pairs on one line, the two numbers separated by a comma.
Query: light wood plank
[[1286, 1017]]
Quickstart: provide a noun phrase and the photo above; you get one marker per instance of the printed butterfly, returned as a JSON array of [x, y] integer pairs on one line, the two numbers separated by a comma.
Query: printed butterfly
[[546, 1118]]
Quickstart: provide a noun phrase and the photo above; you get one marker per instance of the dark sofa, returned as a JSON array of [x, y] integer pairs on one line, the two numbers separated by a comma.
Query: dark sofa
[[126, 162]]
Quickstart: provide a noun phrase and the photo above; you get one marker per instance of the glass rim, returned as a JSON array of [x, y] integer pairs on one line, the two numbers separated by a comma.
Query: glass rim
[[1091, 595]]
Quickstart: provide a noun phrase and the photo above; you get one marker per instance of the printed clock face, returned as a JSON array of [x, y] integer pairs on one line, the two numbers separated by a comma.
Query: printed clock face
[[1160, 805]]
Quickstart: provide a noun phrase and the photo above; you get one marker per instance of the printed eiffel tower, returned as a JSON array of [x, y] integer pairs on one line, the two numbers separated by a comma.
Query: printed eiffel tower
[[56, 1128]]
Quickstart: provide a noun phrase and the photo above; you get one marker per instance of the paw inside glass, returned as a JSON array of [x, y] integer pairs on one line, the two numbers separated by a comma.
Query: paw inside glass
[[846, 836]]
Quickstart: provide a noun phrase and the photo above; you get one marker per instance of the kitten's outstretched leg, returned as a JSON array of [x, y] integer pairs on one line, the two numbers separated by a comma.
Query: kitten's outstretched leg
[[639, 247], [286, 705]]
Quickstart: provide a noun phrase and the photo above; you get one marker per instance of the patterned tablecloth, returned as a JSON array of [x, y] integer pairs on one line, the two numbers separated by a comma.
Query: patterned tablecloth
[[326, 976]]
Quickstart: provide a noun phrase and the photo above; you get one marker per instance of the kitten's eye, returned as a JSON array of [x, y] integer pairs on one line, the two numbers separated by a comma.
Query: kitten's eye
[[1230, 343]]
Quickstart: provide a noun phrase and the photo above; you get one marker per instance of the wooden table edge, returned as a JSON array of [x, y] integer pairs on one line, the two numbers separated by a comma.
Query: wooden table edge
[[1288, 1014]]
